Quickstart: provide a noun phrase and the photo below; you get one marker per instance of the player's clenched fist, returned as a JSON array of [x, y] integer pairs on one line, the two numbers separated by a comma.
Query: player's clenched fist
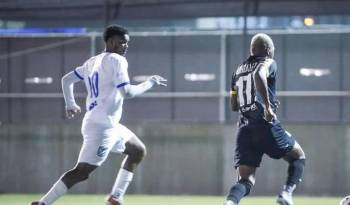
[[72, 110]]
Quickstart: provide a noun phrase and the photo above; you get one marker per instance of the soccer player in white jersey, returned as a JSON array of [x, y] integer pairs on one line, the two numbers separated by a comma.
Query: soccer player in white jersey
[[107, 82]]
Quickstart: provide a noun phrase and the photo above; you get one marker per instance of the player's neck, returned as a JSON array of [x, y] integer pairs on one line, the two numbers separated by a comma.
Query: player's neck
[[108, 51]]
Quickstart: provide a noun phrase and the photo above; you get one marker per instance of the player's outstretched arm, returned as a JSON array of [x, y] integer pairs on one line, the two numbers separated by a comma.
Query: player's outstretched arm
[[260, 80], [67, 87], [130, 91]]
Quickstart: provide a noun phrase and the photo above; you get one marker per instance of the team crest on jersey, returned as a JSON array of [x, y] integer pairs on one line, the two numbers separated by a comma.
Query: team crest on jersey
[[101, 151]]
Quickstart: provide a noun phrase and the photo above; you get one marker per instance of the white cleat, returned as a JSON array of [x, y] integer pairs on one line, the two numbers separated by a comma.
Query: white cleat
[[229, 202], [285, 198]]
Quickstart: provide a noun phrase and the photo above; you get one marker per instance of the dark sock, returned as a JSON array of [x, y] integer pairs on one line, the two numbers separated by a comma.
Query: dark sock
[[239, 190], [295, 173]]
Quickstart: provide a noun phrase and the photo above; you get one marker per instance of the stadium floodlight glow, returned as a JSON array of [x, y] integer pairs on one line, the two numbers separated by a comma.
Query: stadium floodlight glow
[[317, 72], [38, 80], [200, 76], [309, 21]]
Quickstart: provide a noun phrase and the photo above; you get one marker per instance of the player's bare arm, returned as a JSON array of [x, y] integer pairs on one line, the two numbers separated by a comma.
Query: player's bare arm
[[130, 91], [67, 87], [260, 80], [234, 100]]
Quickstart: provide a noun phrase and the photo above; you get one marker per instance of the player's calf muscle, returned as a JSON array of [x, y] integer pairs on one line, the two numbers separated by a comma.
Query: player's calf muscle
[[135, 149], [140, 153]]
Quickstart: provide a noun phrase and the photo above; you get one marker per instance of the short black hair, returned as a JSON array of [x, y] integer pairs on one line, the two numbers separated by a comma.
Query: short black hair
[[113, 30]]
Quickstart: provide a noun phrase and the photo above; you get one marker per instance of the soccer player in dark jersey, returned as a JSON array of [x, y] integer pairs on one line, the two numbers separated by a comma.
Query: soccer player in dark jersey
[[253, 95]]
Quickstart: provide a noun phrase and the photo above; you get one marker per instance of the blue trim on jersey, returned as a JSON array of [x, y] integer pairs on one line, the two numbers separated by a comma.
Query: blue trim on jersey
[[122, 84], [77, 74]]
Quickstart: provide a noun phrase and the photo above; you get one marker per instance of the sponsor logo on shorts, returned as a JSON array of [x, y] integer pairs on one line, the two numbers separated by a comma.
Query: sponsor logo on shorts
[[101, 151], [345, 201], [249, 108]]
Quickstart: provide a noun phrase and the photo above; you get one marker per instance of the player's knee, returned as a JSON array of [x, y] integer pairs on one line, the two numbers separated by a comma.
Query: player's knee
[[140, 152], [144, 151], [296, 154], [300, 154], [248, 184]]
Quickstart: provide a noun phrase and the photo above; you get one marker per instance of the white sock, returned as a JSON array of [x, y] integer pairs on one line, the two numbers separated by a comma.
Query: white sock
[[289, 189], [121, 183], [57, 190]]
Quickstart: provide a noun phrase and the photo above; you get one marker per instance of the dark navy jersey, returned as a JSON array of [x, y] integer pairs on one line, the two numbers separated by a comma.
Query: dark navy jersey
[[250, 102]]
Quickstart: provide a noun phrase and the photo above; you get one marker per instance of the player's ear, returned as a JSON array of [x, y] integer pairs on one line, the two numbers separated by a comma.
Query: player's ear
[[108, 42], [112, 42]]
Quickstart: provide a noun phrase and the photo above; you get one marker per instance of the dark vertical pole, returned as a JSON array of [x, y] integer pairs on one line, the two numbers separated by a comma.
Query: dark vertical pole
[[222, 85], [341, 74], [9, 87], [172, 76], [245, 27], [63, 62], [23, 117]]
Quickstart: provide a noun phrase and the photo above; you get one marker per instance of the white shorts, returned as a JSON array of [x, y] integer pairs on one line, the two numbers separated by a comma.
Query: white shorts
[[99, 141]]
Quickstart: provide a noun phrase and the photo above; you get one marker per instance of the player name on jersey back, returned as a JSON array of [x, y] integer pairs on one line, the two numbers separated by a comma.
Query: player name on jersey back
[[246, 68]]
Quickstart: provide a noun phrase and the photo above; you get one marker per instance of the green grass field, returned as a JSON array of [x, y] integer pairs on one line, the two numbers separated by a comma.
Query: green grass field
[[14, 199]]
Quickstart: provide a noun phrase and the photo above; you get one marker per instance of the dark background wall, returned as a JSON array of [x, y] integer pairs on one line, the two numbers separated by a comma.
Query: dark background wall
[[182, 159], [190, 149], [173, 56]]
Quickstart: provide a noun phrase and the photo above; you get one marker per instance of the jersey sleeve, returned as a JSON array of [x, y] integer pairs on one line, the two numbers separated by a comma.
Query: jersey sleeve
[[272, 69], [121, 76], [79, 71], [268, 67]]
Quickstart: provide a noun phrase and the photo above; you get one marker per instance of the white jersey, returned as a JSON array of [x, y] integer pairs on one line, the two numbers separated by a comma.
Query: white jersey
[[103, 74]]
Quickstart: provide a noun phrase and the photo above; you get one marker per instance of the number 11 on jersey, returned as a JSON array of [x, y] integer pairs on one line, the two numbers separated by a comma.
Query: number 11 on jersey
[[246, 90]]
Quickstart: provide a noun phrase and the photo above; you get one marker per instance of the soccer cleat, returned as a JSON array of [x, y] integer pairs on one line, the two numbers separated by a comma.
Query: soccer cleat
[[285, 198], [111, 200], [37, 203], [229, 202]]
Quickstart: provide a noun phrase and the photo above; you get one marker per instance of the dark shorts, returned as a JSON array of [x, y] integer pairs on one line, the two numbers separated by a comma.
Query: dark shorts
[[259, 138]]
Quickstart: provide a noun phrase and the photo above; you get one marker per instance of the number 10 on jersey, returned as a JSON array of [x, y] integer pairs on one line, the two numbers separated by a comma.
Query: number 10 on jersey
[[93, 82]]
